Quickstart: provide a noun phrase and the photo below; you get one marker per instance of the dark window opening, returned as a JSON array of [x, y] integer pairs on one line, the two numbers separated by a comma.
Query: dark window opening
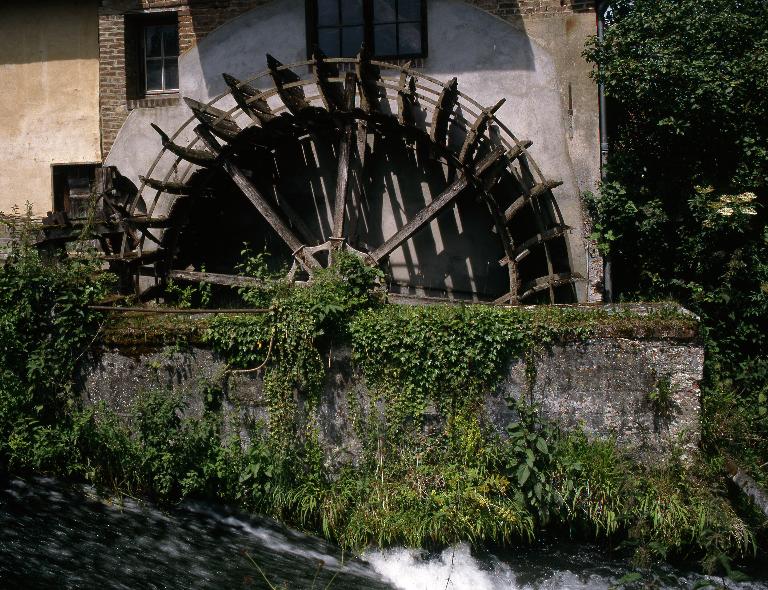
[[390, 28], [161, 58], [72, 189], [152, 54]]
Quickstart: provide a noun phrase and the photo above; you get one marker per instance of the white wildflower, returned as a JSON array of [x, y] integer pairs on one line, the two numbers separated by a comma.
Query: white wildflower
[[725, 211], [745, 198]]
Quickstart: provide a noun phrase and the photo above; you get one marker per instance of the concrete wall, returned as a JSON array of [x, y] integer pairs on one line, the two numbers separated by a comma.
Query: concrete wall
[[534, 63], [49, 96], [602, 385]]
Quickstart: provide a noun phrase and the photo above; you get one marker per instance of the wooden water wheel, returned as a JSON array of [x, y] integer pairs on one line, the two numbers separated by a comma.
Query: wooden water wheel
[[307, 153]]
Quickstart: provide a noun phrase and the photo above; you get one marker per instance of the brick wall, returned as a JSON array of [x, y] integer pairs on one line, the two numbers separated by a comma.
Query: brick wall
[[112, 81], [197, 18]]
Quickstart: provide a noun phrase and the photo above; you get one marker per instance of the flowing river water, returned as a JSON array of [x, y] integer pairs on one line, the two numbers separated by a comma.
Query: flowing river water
[[58, 536]]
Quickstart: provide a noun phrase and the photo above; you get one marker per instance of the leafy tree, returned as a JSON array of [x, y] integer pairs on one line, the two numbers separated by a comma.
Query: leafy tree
[[682, 211]]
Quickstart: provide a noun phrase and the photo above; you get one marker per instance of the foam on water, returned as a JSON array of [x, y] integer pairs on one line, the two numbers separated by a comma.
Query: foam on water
[[454, 569]]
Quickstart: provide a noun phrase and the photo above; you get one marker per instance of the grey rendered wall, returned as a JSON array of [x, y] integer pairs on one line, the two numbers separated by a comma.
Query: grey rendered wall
[[602, 385]]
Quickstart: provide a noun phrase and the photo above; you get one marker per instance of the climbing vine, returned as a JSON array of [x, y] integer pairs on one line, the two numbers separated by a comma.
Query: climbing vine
[[288, 342]]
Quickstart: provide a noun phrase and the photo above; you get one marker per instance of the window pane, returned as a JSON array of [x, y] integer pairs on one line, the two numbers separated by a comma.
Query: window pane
[[409, 10], [153, 40], [171, 74], [385, 40], [410, 38], [384, 11], [171, 40], [154, 74], [327, 12], [352, 12], [351, 40], [328, 41]]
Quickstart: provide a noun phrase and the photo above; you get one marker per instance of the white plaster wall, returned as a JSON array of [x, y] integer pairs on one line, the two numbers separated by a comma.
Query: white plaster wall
[[490, 57]]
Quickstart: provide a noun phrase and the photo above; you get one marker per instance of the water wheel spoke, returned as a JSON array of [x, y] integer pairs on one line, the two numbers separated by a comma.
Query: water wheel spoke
[[345, 145], [508, 244], [362, 140], [250, 100], [423, 217], [368, 76], [406, 99], [259, 202], [430, 211], [306, 235]]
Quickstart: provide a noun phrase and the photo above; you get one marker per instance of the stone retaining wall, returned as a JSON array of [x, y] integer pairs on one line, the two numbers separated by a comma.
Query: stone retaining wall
[[642, 391]]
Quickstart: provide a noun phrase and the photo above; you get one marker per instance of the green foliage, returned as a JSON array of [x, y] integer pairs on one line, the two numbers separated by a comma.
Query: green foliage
[[660, 398], [287, 343], [189, 296], [415, 483], [682, 212], [449, 355], [686, 76], [45, 328], [531, 457]]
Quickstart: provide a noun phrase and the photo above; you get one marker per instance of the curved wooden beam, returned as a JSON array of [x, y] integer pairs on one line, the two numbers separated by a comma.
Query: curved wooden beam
[[191, 155], [219, 122], [446, 102], [250, 100], [331, 93], [345, 146], [172, 188], [292, 96]]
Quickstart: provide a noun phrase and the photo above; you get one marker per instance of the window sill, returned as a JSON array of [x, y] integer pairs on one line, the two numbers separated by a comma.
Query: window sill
[[154, 101]]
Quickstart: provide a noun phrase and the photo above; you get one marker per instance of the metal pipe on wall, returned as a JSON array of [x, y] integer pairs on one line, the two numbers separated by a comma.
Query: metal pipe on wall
[[602, 7]]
